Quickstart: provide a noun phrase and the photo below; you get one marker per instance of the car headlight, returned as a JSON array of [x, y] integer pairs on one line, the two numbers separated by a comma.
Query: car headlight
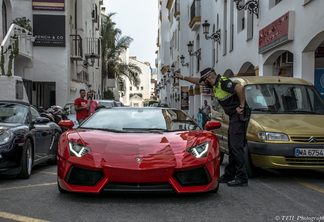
[[77, 149], [273, 136], [200, 150], [5, 136]]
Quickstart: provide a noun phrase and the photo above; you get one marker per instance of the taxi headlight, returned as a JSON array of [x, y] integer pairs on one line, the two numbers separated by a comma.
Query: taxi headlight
[[200, 150], [5, 136], [273, 136], [77, 149]]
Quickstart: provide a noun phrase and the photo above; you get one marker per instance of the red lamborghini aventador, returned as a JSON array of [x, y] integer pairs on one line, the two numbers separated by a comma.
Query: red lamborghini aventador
[[131, 149]]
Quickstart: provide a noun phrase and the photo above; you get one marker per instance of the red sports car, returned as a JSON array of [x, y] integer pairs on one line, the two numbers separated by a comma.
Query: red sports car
[[131, 149]]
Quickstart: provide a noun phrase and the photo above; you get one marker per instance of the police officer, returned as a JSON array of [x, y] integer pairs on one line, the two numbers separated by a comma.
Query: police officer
[[231, 97]]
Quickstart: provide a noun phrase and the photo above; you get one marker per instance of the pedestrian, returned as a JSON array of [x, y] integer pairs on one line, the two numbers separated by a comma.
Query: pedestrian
[[206, 108], [81, 107], [231, 97], [92, 103]]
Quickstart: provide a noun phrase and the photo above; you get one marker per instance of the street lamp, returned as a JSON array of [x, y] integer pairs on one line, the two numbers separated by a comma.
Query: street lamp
[[252, 6], [182, 58], [196, 53], [214, 36]]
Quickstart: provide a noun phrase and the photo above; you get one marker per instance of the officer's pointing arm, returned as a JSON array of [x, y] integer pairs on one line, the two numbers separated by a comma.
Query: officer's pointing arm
[[239, 90]]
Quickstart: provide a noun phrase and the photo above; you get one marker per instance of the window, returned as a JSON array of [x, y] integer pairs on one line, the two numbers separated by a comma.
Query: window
[[130, 88], [142, 87]]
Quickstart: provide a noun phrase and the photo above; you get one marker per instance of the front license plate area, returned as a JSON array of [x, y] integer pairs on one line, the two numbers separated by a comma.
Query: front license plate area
[[300, 152]]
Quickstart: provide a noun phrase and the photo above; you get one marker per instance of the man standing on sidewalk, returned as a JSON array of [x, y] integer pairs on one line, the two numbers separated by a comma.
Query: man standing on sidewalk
[[81, 107], [92, 103], [231, 97]]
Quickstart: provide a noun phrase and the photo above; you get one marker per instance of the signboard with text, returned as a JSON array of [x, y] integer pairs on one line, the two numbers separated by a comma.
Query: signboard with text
[[278, 32], [49, 30], [52, 5], [184, 97]]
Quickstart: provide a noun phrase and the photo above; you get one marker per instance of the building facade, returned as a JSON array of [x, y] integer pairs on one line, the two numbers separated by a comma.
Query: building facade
[[274, 38], [61, 54]]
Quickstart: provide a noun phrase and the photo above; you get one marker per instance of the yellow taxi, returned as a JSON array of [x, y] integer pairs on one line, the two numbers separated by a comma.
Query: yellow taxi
[[286, 128]]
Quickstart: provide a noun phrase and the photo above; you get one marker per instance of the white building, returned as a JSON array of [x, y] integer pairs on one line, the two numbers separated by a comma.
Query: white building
[[281, 37], [139, 96], [62, 53]]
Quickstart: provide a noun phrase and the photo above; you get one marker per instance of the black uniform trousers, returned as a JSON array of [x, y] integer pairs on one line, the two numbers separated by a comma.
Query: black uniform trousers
[[236, 143]]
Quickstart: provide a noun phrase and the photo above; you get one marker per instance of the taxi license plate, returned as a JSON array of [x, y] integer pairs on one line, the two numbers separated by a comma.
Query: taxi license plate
[[309, 152]]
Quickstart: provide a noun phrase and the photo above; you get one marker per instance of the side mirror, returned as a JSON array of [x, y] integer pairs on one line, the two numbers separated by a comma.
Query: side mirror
[[66, 124], [211, 125]]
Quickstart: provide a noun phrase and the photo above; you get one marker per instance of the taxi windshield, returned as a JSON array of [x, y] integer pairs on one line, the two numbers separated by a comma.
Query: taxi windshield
[[284, 99]]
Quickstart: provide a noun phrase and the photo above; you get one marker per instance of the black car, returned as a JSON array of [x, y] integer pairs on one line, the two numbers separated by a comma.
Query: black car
[[26, 138]]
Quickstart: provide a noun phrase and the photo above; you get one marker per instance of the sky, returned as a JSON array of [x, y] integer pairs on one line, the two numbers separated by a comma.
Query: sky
[[139, 20]]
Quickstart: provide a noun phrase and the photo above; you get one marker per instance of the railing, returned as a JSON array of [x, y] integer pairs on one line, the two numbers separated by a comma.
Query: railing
[[17, 41], [93, 47], [195, 9], [76, 47]]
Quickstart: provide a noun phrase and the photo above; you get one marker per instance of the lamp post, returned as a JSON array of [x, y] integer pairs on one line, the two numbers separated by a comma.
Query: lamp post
[[252, 6], [214, 36], [182, 58], [196, 53]]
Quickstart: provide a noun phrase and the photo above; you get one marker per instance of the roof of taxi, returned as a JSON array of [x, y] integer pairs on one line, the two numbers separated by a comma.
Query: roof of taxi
[[247, 80]]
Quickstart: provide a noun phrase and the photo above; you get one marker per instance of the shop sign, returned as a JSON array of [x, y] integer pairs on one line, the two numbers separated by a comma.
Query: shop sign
[[52, 5], [277, 33], [184, 97], [49, 30]]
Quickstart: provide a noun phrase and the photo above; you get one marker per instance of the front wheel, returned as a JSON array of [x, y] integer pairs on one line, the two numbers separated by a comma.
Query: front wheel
[[250, 168], [26, 160]]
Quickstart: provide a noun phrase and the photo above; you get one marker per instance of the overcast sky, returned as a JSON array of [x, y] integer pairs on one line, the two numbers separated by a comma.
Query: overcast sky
[[139, 20]]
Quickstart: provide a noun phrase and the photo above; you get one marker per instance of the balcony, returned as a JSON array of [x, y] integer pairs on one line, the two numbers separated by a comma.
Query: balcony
[[76, 47], [195, 15], [93, 48]]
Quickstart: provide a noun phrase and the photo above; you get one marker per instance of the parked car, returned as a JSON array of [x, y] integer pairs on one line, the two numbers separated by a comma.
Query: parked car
[[286, 125], [69, 107], [107, 103], [119, 103], [26, 139], [138, 149]]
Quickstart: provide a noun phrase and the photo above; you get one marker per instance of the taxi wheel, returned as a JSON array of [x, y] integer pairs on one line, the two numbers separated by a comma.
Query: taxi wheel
[[221, 157], [250, 168], [26, 160]]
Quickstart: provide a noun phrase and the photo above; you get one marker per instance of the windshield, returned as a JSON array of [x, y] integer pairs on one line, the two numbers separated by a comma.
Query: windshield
[[140, 120], [13, 113], [284, 99]]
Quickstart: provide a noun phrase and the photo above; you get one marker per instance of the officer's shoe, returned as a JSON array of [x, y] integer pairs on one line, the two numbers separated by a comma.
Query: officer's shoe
[[224, 179], [237, 183]]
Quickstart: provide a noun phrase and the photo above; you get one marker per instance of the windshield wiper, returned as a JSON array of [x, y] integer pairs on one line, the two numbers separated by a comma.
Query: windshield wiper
[[147, 129], [301, 111], [103, 129], [261, 109]]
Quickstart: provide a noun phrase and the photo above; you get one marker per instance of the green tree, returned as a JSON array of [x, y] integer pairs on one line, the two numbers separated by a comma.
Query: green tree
[[113, 44]]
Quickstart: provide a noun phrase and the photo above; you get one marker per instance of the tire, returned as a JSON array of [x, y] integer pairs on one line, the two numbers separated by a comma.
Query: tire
[[215, 190], [221, 157], [251, 170], [26, 160], [54, 146], [60, 188]]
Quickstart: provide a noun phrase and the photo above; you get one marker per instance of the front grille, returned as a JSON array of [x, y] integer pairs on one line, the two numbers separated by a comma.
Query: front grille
[[138, 187], [83, 177], [306, 139], [305, 161], [193, 177]]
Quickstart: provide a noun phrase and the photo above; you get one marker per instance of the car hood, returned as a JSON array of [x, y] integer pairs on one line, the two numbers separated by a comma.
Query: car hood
[[289, 124], [122, 150], [137, 143]]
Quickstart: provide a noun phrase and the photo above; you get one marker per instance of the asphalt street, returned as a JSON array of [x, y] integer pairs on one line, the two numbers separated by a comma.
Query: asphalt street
[[275, 195]]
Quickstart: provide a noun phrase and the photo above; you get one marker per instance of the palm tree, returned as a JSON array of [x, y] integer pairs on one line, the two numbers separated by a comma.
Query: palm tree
[[113, 44]]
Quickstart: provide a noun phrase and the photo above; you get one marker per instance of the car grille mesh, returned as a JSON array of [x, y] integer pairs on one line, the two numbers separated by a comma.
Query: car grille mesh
[[306, 139], [193, 177], [305, 161], [138, 187], [83, 177]]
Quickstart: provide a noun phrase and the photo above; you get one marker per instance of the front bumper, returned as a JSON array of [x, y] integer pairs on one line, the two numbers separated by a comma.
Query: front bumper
[[76, 178], [282, 155]]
